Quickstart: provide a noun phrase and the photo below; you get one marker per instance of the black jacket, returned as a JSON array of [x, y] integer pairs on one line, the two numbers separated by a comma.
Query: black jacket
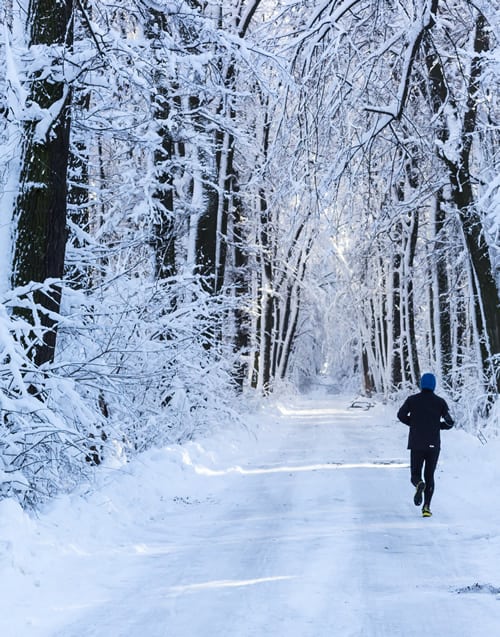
[[426, 414]]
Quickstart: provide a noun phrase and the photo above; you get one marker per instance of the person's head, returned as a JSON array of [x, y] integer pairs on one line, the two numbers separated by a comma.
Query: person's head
[[428, 381]]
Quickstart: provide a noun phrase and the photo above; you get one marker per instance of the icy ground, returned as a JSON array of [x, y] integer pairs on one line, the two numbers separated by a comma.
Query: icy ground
[[302, 527]]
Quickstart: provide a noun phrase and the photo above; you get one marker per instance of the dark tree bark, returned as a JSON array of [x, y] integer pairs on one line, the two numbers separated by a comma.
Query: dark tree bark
[[292, 311], [443, 292], [211, 243], [265, 320], [397, 354], [486, 296], [368, 381], [413, 373], [487, 299], [405, 365], [163, 225], [163, 198], [241, 291], [41, 206]]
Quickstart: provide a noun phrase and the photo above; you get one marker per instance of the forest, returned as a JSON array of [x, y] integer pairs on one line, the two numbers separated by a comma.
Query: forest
[[204, 201]]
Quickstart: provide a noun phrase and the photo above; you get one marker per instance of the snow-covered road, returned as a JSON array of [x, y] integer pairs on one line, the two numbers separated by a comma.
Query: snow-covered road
[[313, 533]]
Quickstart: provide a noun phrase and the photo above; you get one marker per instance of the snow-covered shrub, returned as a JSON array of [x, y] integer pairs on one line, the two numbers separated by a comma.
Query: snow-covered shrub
[[128, 375]]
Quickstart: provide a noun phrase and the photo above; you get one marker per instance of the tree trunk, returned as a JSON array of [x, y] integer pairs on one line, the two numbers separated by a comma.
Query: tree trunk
[[485, 295], [211, 247], [265, 304], [444, 345], [41, 205], [413, 367], [241, 290], [292, 311], [396, 322], [486, 301], [163, 196]]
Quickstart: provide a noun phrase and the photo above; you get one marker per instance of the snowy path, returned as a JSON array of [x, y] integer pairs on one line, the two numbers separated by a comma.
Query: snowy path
[[315, 535]]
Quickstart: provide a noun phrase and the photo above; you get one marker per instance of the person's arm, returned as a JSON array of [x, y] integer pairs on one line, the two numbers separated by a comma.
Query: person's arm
[[447, 421], [404, 413]]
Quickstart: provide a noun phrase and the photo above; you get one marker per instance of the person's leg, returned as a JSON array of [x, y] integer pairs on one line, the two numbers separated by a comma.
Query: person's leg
[[431, 459], [417, 458]]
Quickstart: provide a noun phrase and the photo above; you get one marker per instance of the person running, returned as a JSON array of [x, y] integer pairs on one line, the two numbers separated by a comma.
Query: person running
[[425, 414]]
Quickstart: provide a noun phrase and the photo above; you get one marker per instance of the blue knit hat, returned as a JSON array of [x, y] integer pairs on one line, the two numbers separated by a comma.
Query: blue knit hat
[[428, 381]]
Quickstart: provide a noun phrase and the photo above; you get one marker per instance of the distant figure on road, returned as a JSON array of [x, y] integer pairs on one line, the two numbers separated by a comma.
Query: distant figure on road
[[425, 414]]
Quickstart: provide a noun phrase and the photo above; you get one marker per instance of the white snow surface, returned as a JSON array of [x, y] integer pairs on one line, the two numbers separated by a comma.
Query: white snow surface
[[301, 526]]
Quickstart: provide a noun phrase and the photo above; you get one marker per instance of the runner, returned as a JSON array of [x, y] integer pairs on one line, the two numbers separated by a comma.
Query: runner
[[425, 414]]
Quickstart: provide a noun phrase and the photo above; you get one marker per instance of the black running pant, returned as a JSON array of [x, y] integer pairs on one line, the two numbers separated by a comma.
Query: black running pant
[[426, 459]]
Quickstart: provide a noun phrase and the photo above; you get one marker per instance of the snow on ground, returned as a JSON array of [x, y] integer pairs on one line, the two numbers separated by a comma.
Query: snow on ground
[[303, 526]]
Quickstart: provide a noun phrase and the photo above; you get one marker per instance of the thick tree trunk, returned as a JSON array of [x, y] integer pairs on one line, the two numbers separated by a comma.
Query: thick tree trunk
[[211, 245], [486, 295], [486, 300], [41, 205]]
